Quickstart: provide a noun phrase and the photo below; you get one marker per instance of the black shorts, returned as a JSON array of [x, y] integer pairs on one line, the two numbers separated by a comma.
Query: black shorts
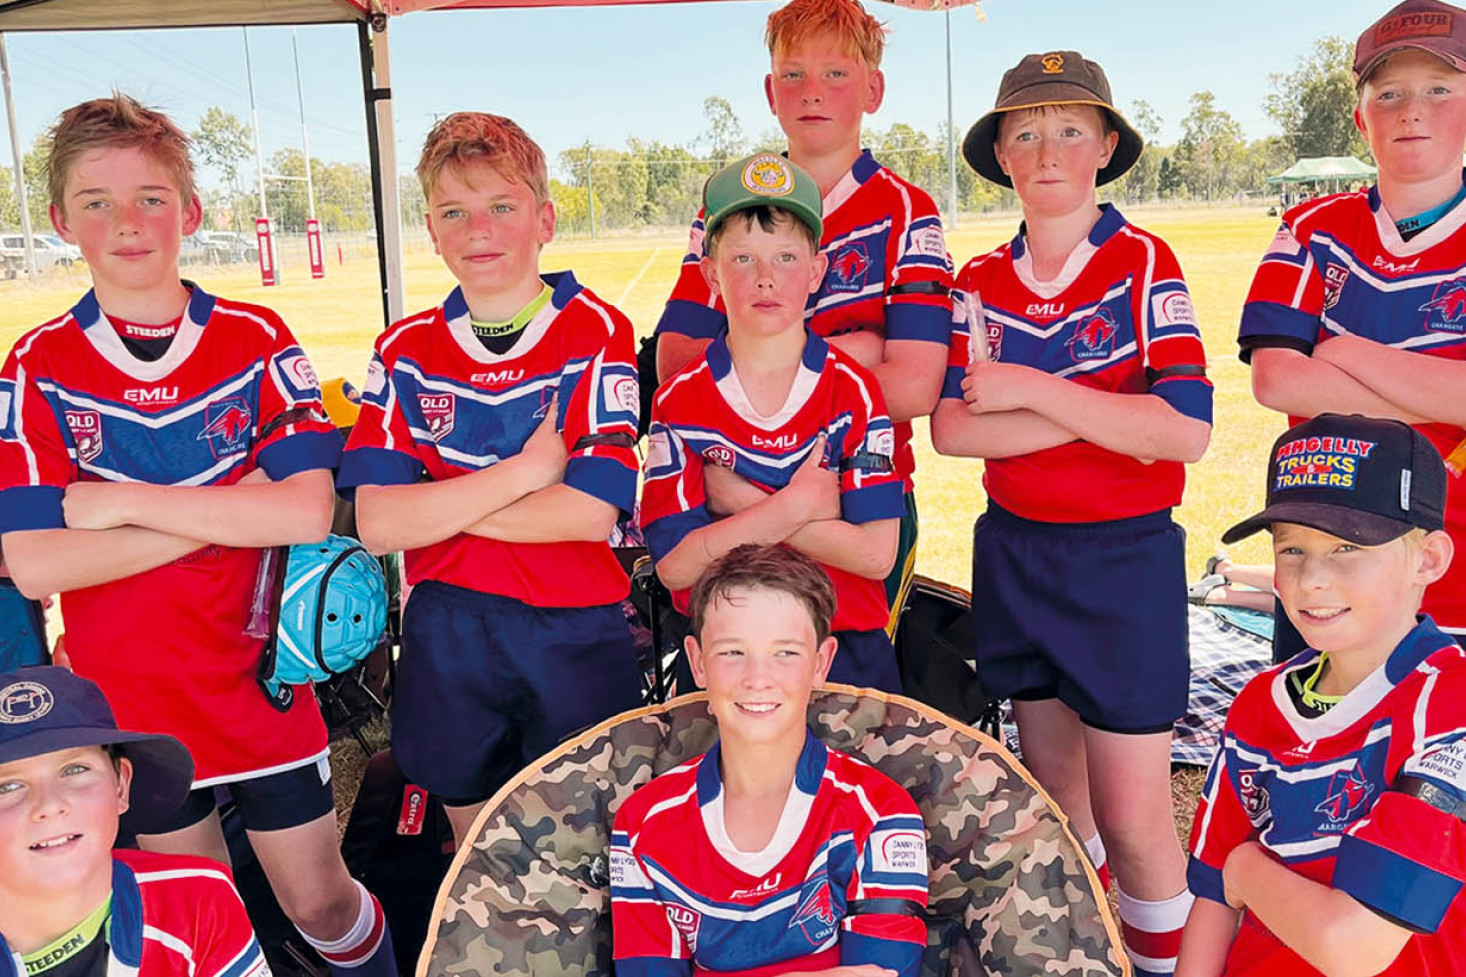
[[278, 800]]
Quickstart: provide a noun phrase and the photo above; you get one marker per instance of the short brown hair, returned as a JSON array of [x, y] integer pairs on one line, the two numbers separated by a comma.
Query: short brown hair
[[121, 122], [478, 137], [754, 567], [845, 20], [767, 217]]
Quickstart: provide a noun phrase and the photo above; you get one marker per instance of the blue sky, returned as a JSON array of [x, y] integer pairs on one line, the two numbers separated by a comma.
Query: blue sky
[[606, 73]]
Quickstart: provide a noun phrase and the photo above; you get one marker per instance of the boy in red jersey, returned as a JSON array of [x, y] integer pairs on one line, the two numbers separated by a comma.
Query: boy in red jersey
[[70, 906], [516, 398], [771, 853], [1077, 371], [1329, 836], [772, 435], [152, 440], [1359, 304], [884, 296]]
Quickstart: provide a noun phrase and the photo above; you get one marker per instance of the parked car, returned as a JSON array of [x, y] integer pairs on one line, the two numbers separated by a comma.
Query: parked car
[[50, 250], [227, 247]]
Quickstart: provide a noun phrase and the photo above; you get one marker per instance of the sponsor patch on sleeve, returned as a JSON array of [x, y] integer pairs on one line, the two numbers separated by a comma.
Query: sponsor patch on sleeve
[[7, 409], [658, 450], [1284, 244], [625, 872], [621, 393], [1173, 309], [928, 241], [694, 242], [1446, 764], [881, 442], [901, 852], [299, 376], [376, 380]]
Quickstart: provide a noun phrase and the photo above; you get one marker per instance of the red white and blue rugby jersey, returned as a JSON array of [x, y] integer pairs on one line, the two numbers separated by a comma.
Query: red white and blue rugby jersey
[[1337, 266], [438, 402], [1339, 799], [172, 916], [702, 416], [684, 900], [232, 393], [889, 273], [1118, 318]]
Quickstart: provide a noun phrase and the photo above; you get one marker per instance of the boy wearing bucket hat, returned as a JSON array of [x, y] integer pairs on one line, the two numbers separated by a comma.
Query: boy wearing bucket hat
[[772, 435], [1331, 820], [1077, 372], [1357, 305], [70, 906]]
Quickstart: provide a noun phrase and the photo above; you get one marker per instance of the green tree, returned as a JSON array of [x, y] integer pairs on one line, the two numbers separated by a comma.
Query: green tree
[[224, 142], [37, 189], [1168, 178], [674, 181], [1211, 150], [724, 135], [1314, 103], [1264, 158], [1140, 182]]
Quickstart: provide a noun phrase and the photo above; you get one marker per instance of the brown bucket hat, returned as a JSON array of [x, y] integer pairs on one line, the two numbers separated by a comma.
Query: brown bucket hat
[[1422, 25], [1054, 78]]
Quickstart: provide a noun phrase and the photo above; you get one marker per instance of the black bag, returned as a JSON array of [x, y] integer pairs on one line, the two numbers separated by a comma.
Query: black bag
[[934, 648], [646, 378], [399, 843]]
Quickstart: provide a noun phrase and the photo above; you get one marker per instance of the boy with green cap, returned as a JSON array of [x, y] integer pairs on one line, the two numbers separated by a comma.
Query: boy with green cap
[[772, 435]]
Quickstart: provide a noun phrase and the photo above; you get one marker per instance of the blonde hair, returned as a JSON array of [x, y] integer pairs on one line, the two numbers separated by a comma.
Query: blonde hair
[[846, 20], [478, 137], [119, 122]]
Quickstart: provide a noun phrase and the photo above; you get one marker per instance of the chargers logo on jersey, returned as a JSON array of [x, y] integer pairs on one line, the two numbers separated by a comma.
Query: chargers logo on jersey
[[226, 426], [1446, 310], [86, 431], [848, 267], [1349, 791], [816, 914], [1094, 337]]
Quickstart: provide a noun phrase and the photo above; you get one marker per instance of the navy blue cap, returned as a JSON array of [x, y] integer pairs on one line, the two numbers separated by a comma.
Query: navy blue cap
[[46, 708], [1359, 478]]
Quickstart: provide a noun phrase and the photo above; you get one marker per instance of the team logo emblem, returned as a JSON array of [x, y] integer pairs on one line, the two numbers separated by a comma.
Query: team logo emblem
[[226, 426], [687, 922], [1446, 310], [1349, 791], [994, 332], [1053, 64], [720, 454], [438, 413], [24, 702], [1334, 277], [848, 267], [768, 176], [1094, 339], [1255, 801], [86, 431], [816, 914]]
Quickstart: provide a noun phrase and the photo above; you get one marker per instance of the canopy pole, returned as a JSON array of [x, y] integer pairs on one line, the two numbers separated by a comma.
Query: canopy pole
[[20, 189], [382, 145]]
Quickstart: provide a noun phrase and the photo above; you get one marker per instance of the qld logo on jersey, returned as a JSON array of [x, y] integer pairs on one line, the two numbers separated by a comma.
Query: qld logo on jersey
[[721, 455], [438, 411], [816, 914], [849, 268], [1349, 792], [1094, 337], [1446, 310], [687, 922], [226, 426], [86, 432], [1256, 803]]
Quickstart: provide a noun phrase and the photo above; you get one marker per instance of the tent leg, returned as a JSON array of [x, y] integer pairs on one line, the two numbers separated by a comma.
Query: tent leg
[[382, 147]]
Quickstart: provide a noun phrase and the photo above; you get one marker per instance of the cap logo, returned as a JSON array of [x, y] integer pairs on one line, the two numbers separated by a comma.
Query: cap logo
[[1320, 463], [768, 176], [1407, 26], [1053, 64], [24, 702]]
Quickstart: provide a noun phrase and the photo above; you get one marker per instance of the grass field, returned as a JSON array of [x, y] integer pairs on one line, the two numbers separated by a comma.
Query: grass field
[[337, 318]]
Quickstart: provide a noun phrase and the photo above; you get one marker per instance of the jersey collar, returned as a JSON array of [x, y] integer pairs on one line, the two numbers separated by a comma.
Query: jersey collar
[[808, 773], [811, 368], [864, 167], [563, 289], [95, 326], [1110, 222], [1389, 235], [124, 931]]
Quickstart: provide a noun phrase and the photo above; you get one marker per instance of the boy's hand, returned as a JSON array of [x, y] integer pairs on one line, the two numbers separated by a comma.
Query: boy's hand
[[545, 450], [995, 387], [817, 486], [865, 348], [729, 493]]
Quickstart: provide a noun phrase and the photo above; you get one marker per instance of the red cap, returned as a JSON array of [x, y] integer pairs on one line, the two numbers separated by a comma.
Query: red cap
[[1423, 25]]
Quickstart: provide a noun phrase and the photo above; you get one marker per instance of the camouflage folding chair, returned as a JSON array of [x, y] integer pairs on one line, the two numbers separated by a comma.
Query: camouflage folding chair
[[1011, 892]]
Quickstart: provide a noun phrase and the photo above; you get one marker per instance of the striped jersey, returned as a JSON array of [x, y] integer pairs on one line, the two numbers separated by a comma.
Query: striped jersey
[[1366, 797], [233, 392], [1339, 265], [1118, 318], [889, 273], [172, 916], [842, 882], [438, 404], [702, 416]]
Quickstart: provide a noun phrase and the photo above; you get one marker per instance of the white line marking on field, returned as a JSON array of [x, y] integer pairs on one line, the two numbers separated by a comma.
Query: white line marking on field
[[632, 284]]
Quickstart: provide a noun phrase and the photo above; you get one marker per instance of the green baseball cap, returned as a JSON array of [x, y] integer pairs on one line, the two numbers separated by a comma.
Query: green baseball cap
[[761, 180]]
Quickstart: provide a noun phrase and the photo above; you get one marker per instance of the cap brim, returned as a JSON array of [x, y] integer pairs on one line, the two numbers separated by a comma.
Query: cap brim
[[162, 769], [1364, 528], [977, 145], [802, 214]]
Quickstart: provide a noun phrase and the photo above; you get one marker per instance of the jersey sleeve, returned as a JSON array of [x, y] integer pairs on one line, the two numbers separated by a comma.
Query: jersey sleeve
[[888, 891], [1174, 359], [1220, 825], [966, 317], [692, 309], [295, 433], [225, 945], [644, 941], [918, 293], [1407, 858], [870, 487], [600, 423], [1285, 304], [381, 450], [35, 460], [673, 500]]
